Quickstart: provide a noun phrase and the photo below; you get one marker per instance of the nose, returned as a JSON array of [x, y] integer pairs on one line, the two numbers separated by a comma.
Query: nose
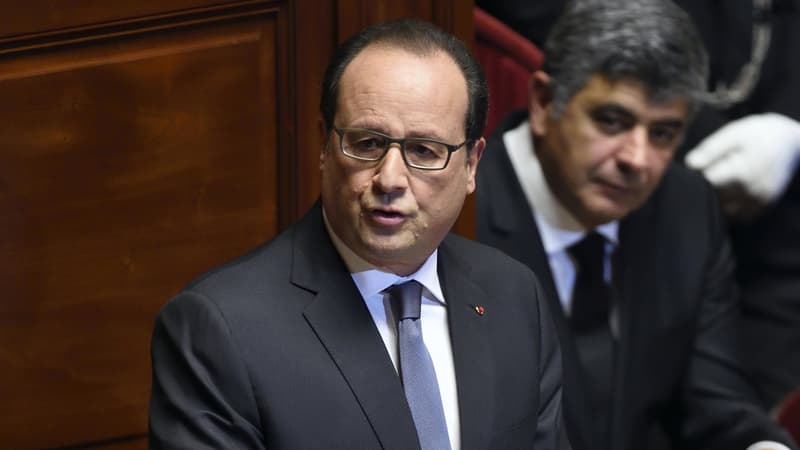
[[633, 154], [391, 174]]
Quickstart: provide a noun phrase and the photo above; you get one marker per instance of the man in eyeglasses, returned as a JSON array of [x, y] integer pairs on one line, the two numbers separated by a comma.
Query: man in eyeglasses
[[366, 325]]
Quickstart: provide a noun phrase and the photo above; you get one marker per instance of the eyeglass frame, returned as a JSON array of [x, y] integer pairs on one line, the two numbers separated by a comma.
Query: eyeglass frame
[[401, 141]]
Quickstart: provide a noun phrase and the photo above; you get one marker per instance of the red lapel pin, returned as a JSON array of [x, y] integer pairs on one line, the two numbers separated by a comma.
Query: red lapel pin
[[479, 309]]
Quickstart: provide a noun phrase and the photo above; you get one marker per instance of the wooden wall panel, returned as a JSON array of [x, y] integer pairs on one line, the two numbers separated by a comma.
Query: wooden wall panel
[[142, 142], [30, 18], [356, 14], [315, 40], [127, 168]]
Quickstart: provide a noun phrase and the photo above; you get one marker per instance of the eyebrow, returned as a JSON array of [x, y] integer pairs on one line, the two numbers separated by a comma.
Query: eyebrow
[[670, 123], [416, 134], [431, 135], [616, 108]]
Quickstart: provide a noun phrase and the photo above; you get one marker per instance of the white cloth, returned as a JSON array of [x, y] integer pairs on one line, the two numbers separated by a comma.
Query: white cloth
[[767, 445], [433, 316], [558, 228], [758, 153]]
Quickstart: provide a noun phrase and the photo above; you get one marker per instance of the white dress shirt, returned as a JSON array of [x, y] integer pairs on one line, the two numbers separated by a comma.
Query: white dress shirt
[[559, 229], [371, 281]]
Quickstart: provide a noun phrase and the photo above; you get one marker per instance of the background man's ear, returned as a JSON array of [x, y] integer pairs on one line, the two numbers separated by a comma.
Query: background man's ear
[[539, 102]]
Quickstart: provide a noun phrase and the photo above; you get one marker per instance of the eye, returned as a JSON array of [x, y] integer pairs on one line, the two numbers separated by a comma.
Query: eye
[[419, 149], [663, 136], [368, 143], [611, 122], [425, 150], [364, 144]]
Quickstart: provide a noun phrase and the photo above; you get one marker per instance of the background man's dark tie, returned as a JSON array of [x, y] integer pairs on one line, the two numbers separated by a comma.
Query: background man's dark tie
[[589, 320]]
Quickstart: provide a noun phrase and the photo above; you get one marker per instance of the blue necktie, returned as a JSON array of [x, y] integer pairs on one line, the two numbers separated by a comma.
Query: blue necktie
[[416, 369]]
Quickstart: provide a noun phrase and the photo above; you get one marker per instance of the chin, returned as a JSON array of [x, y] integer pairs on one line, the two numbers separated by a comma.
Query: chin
[[601, 214], [386, 245]]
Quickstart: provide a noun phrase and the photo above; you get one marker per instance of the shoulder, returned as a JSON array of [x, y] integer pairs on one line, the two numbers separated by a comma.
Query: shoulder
[[484, 264], [267, 260], [242, 296], [680, 180], [683, 213], [685, 193], [240, 283]]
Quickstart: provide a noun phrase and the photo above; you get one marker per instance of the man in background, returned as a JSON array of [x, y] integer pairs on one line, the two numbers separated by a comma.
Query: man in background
[[750, 152], [631, 249]]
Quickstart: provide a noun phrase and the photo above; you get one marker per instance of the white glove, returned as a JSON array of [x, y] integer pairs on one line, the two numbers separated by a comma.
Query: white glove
[[767, 445], [750, 160]]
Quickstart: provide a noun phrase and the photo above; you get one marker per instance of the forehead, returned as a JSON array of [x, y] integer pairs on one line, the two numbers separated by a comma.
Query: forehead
[[384, 82], [394, 57], [632, 96]]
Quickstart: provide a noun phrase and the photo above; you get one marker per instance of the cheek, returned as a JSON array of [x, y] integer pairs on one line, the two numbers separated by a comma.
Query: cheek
[[348, 182], [657, 166], [428, 190], [600, 161], [578, 156], [600, 151]]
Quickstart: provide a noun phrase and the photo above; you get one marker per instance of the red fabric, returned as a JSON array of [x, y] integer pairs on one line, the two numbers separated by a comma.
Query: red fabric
[[508, 60], [789, 415]]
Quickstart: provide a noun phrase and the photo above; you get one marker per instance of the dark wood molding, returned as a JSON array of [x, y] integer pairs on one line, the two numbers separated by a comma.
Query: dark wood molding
[[86, 34]]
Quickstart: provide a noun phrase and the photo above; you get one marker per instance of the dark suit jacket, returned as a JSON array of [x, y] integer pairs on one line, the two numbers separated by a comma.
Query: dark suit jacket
[[767, 250], [677, 360], [278, 350]]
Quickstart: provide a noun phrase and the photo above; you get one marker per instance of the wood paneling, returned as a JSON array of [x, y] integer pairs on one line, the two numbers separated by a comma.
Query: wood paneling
[[315, 33], [356, 14], [141, 143], [38, 18], [127, 167]]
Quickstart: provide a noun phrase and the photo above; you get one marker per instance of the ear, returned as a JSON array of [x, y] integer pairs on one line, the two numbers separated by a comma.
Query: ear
[[540, 102], [322, 128], [472, 163]]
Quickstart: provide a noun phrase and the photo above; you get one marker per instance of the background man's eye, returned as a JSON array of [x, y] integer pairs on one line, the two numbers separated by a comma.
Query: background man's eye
[[610, 123], [662, 137]]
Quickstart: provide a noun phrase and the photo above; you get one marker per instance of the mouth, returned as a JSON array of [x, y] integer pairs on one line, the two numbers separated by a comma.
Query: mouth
[[386, 216], [616, 188]]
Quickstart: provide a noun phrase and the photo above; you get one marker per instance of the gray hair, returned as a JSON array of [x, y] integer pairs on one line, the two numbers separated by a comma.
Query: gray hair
[[650, 41]]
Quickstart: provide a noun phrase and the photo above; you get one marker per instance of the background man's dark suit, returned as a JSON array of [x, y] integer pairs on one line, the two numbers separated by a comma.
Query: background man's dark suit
[[672, 282], [767, 249], [288, 356]]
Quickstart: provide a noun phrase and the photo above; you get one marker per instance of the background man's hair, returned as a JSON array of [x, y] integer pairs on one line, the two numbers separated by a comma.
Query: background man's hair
[[653, 42]]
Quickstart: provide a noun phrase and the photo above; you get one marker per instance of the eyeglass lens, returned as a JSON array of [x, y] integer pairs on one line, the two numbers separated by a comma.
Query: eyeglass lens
[[363, 144]]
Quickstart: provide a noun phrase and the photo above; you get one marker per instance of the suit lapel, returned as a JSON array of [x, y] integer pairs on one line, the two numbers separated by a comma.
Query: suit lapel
[[510, 224], [578, 415], [343, 324], [471, 350], [634, 287], [512, 229]]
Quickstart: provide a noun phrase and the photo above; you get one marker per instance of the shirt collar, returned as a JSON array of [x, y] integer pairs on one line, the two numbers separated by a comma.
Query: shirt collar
[[372, 280], [558, 228]]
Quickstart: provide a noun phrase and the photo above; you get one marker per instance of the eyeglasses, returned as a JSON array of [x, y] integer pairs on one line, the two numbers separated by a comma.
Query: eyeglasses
[[419, 153]]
